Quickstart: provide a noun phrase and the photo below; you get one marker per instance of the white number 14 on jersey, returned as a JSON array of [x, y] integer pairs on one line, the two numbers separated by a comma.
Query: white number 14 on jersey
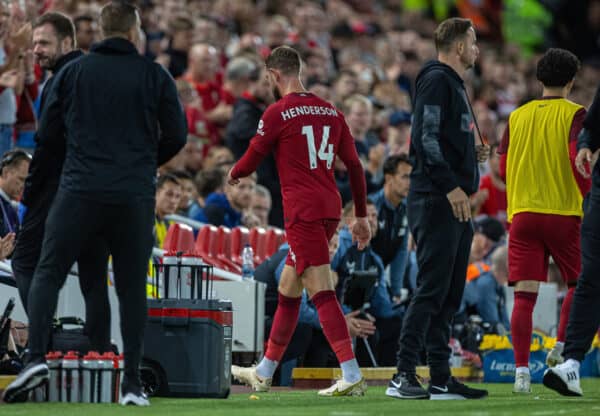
[[325, 149]]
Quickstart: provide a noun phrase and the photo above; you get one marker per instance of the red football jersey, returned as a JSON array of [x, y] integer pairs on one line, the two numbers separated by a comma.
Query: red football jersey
[[306, 133], [495, 205]]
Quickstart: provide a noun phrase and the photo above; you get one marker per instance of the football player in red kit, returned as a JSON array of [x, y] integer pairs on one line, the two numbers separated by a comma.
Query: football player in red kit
[[306, 133]]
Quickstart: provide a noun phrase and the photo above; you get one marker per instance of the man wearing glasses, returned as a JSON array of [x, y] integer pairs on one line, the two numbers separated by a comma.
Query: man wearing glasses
[[13, 171]]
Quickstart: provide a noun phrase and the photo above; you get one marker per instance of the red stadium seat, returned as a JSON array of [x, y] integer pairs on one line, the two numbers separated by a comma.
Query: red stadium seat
[[239, 238], [258, 241], [180, 237], [275, 238], [224, 241], [224, 249], [206, 245]]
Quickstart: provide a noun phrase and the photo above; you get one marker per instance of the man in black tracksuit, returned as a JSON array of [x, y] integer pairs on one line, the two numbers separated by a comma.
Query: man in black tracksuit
[[54, 29], [122, 118], [445, 172], [584, 318]]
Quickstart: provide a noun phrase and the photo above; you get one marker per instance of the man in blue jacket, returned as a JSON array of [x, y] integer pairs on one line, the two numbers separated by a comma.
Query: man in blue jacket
[[227, 208], [390, 240], [348, 260], [445, 173], [121, 118]]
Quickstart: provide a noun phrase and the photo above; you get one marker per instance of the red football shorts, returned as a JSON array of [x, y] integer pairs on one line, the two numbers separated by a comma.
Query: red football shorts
[[534, 237], [309, 243]]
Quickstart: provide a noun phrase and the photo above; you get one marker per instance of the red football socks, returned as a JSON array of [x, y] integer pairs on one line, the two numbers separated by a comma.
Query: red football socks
[[521, 326], [284, 325], [334, 324], [564, 315]]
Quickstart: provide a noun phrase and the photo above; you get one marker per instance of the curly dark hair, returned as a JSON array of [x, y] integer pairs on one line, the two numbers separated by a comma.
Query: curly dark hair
[[557, 67]]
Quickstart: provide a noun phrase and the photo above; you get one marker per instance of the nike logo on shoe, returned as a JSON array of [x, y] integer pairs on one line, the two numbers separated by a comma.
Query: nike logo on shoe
[[397, 385], [441, 389]]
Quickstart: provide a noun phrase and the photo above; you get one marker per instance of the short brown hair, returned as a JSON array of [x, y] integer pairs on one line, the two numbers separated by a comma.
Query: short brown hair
[[117, 17], [166, 178], [63, 26], [180, 24], [284, 59], [449, 31]]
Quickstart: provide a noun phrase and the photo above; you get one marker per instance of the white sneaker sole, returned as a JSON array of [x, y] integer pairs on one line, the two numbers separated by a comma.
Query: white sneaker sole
[[392, 392], [131, 399], [31, 379], [446, 396], [256, 385], [357, 389], [555, 382]]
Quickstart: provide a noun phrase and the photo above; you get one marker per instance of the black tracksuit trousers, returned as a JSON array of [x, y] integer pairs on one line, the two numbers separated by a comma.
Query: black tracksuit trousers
[[443, 246], [584, 318], [92, 267], [127, 230]]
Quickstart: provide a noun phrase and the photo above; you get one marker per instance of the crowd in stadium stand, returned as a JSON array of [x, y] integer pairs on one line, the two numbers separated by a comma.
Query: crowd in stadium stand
[[361, 55]]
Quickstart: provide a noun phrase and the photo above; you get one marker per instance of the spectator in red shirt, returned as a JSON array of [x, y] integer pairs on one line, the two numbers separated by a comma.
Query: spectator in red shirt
[[491, 198], [26, 123], [203, 64]]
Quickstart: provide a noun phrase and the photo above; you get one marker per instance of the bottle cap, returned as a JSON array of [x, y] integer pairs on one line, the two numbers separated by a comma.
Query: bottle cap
[[71, 355], [92, 355], [53, 355]]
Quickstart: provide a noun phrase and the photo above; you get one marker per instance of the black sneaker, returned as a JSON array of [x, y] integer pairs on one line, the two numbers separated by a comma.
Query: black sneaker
[[455, 390], [406, 386], [33, 375]]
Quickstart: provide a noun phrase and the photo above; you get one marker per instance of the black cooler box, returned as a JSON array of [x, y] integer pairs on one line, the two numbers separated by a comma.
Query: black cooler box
[[187, 343]]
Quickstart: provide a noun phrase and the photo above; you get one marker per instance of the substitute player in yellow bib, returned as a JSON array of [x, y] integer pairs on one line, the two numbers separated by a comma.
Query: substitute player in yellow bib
[[545, 195]]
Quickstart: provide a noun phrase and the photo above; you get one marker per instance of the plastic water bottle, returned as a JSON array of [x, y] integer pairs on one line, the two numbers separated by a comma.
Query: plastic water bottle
[[54, 360], [190, 263], [247, 263], [106, 367], [168, 283], [70, 378], [90, 377]]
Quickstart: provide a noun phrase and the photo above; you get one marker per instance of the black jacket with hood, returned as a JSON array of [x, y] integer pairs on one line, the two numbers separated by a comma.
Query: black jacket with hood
[[121, 117], [442, 148]]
